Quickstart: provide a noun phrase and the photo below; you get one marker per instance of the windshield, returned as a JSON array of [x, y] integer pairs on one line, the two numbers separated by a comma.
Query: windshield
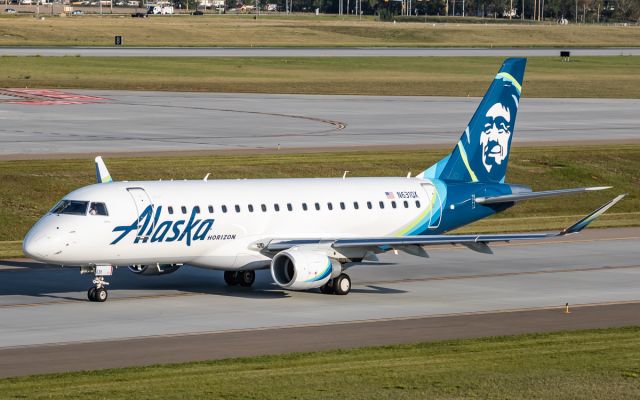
[[72, 207]]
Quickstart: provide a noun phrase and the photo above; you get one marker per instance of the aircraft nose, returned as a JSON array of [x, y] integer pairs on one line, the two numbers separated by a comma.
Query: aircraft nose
[[33, 246]]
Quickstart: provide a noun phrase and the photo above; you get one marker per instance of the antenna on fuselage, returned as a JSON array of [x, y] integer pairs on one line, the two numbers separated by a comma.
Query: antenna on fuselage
[[345, 174], [206, 177], [102, 173]]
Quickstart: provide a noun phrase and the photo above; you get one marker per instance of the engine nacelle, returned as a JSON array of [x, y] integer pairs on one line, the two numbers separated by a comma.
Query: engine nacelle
[[156, 269], [301, 269]]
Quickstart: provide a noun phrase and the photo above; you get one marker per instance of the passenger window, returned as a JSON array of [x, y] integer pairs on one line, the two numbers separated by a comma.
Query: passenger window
[[71, 207], [170, 210], [98, 209], [355, 205], [197, 209], [250, 206], [184, 209], [224, 209], [406, 204], [418, 203], [393, 204], [342, 205], [381, 205], [276, 207], [263, 207], [237, 208], [318, 206], [289, 207], [330, 206], [304, 206], [369, 206], [211, 209]]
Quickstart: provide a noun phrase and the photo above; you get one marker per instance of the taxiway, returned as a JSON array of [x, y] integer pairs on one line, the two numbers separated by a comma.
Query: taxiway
[[455, 293]]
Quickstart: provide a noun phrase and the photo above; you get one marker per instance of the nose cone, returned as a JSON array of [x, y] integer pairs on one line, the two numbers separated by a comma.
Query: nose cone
[[33, 245]]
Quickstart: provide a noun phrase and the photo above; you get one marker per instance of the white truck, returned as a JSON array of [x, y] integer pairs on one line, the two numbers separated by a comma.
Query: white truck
[[159, 10]]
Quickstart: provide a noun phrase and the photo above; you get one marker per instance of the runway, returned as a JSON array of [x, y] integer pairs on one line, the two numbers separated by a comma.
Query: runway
[[192, 315], [312, 52], [34, 123]]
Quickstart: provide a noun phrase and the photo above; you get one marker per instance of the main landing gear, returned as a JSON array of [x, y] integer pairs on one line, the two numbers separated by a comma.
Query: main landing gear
[[242, 278], [98, 292], [340, 285]]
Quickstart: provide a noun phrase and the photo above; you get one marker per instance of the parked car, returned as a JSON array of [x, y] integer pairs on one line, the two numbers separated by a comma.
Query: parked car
[[198, 12], [139, 15], [77, 12], [10, 11]]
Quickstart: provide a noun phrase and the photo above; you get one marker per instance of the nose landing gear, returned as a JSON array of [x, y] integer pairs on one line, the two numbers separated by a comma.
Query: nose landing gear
[[98, 292]]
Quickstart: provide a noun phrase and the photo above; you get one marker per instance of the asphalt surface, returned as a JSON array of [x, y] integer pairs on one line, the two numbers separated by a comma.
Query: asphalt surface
[[191, 315], [123, 121], [309, 52], [213, 346]]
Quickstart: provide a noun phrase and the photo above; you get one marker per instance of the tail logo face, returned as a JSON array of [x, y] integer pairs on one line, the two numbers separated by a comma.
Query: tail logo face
[[495, 137], [482, 153]]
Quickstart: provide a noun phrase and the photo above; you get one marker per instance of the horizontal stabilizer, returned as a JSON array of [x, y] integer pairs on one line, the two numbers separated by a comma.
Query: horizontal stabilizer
[[508, 198]]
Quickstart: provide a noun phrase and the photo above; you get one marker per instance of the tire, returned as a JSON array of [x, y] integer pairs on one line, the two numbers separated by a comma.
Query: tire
[[231, 278], [246, 278], [327, 288], [91, 293], [101, 295], [342, 285]]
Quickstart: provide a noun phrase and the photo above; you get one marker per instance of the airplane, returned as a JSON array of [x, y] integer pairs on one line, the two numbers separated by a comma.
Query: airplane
[[308, 232]]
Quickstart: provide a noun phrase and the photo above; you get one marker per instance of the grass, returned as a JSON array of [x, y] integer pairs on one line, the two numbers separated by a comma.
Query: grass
[[602, 77], [244, 31], [592, 364], [31, 187]]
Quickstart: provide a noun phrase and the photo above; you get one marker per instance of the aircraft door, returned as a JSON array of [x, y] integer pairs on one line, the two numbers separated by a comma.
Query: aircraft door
[[141, 200], [438, 203], [431, 191]]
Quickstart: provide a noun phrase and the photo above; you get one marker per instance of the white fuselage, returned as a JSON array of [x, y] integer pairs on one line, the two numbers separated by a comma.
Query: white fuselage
[[232, 215]]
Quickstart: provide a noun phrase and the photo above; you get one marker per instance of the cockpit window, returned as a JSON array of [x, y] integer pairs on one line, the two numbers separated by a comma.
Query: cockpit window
[[98, 209], [71, 207]]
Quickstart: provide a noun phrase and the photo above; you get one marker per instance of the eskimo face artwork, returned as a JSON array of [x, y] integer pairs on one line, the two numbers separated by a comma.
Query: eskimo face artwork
[[495, 136]]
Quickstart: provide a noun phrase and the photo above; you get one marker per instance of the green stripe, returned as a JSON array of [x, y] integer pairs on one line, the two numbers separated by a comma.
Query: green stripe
[[510, 78], [463, 154]]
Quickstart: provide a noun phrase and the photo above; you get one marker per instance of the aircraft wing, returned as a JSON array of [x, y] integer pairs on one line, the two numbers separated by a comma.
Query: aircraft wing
[[535, 195], [475, 242]]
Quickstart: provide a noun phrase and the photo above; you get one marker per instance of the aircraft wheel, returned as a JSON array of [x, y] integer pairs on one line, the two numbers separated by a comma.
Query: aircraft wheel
[[246, 278], [231, 278], [101, 295], [342, 285], [91, 293]]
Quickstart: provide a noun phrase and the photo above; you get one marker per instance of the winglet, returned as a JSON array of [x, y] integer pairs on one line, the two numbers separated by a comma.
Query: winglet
[[102, 173], [580, 225]]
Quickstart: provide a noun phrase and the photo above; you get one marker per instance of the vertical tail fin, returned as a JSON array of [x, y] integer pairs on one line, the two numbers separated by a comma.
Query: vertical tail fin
[[482, 153]]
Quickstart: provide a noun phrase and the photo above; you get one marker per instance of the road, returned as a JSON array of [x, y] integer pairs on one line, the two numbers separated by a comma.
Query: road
[[192, 315], [45, 123], [310, 52]]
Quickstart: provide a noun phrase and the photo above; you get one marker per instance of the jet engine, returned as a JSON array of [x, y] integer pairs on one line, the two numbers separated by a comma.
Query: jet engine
[[302, 269], [155, 269]]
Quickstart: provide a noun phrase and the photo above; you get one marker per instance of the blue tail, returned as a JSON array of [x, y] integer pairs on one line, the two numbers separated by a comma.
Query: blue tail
[[482, 153]]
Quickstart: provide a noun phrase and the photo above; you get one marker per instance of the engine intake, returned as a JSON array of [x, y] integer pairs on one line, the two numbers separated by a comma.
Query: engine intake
[[156, 269], [299, 269]]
